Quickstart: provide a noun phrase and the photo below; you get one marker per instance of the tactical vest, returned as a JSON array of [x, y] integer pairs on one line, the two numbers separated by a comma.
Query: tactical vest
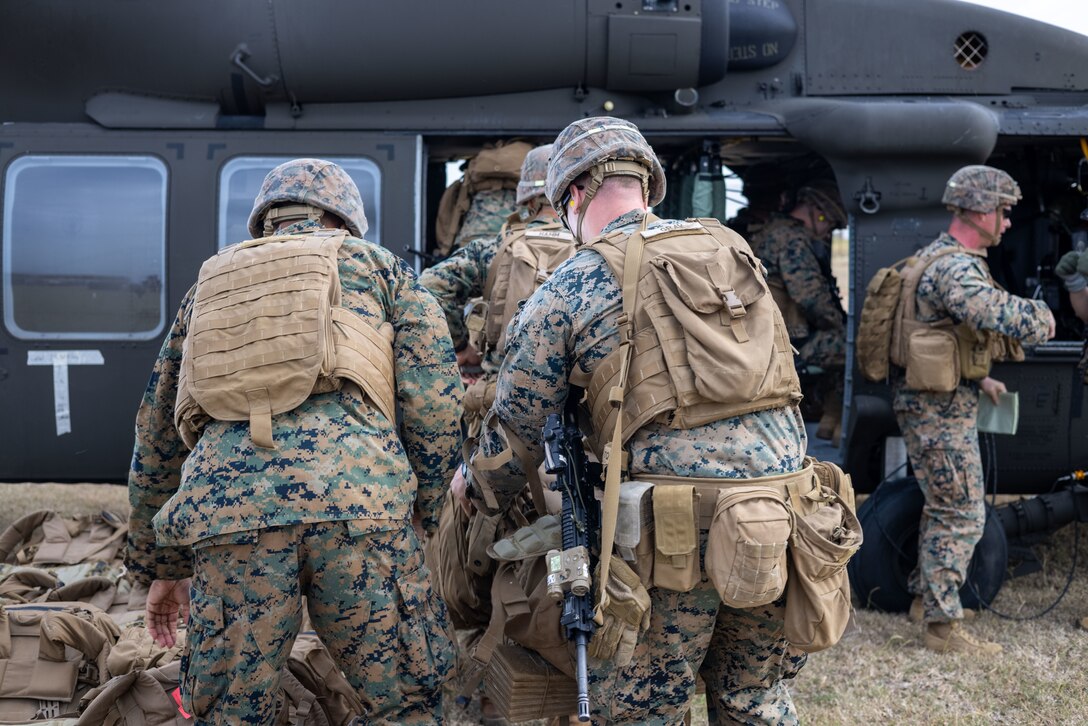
[[708, 340], [937, 355], [526, 257], [267, 331]]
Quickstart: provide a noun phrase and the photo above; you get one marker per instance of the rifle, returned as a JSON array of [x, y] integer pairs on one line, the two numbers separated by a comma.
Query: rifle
[[569, 570]]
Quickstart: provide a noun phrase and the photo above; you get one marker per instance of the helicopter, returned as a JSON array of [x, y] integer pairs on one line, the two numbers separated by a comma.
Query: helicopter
[[134, 135]]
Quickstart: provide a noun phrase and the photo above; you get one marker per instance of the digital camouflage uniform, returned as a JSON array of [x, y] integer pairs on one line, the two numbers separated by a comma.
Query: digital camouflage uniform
[[741, 654], [325, 515], [459, 278], [792, 258], [486, 213], [940, 428]]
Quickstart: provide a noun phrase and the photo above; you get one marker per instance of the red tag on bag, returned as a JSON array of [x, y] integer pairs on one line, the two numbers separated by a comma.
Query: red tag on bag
[[176, 693]]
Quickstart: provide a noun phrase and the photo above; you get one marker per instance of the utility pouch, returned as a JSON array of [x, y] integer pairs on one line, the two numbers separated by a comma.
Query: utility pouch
[[818, 590], [746, 548], [974, 353], [933, 362], [635, 528], [676, 537]]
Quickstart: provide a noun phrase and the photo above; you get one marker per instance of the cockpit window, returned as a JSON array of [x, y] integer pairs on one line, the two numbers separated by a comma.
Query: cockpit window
[[241, 178], [84, 247]]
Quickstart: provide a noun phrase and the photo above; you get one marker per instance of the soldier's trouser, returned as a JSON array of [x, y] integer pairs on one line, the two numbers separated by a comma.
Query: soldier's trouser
[[369, 599], [741, 655], [942, 443]]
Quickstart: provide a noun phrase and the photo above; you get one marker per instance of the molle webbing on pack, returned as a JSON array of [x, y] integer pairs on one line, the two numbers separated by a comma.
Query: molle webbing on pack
[[526, 257], [976, 349], [267, 331], [707, 341], [50, 655]]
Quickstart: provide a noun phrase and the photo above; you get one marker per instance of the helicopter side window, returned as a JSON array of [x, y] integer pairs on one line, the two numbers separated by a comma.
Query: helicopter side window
[[241, 178], [84, 247]]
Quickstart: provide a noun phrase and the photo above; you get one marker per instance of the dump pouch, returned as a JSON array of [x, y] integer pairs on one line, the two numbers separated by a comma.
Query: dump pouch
[[746, 548], [676, 537], [933, 362], [818, 590]]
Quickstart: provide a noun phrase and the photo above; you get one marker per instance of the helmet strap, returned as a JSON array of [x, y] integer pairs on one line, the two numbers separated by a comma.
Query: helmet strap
[[597, 175], [277, 215], [992, 235]]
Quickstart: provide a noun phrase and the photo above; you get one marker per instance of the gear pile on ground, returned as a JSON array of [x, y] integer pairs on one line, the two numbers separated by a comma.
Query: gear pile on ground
[[74, 650]]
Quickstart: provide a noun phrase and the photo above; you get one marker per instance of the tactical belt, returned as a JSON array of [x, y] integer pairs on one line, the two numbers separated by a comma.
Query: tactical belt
[[792, 488]]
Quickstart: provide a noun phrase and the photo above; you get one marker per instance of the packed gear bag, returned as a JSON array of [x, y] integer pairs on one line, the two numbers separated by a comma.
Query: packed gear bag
[[522, 611], [313, 667], [525, 258], [707, 340], [267, 331], [50, 655], [494, 168]]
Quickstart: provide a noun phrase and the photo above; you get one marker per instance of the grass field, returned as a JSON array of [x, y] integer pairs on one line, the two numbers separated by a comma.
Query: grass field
[[879, 673]]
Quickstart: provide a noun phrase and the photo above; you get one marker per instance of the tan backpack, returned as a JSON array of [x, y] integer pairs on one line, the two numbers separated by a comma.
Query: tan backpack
[[50, 655], [874, 338], [267, 330], [313, 667], [51, 540], [496, 167], [526, 257]]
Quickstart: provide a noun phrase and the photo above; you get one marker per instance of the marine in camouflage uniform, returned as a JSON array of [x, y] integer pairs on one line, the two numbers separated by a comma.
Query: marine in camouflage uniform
[[940, 429], [485, 215], [326, 515], [460, 278], [795, 252], [741, 654]]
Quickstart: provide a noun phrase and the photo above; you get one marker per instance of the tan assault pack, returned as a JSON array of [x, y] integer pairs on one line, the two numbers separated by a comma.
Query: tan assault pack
[[496, 167], [708, 340], [936, 356], [267, 331], [526, 257]]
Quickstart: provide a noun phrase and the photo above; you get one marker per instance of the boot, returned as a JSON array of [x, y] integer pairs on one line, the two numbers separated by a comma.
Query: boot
[[953, 638], [831, 420], [918, 612]]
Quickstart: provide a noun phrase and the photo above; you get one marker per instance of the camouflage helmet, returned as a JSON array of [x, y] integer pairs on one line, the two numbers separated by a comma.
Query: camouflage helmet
[[312, 182], [981, 189], [534, 172], [590, 142], [824, 194]]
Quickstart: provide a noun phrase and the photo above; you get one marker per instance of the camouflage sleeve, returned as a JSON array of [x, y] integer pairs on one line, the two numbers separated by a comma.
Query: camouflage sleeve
[[808, 287], [966, 292], [157, 457], [429, 391], [558, 327], [459, 278]]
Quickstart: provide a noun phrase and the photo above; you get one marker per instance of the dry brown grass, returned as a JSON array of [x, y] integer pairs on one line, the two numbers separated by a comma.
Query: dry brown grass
[[879, 673]]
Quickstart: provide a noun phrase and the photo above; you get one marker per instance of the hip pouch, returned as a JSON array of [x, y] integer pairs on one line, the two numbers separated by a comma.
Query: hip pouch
[[746, 548], [676, 537], [933, 361], [818, 590]]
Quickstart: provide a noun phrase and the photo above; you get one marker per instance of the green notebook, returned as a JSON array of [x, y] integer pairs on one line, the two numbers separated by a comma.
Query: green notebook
[[1001, 418]]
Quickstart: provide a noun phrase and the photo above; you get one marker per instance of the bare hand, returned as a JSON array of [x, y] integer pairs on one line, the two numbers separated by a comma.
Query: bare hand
[[459, 488], [166, 601], [992, 388], [469, 360]]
